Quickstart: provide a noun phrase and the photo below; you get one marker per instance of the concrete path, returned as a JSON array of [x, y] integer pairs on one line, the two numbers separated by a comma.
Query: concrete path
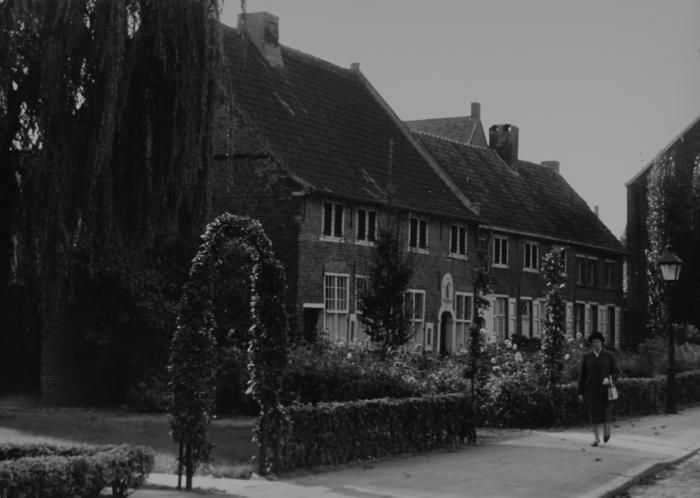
[[556, 463]]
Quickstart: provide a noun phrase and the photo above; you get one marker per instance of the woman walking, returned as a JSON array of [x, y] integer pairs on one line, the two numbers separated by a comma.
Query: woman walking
[[598, 369]]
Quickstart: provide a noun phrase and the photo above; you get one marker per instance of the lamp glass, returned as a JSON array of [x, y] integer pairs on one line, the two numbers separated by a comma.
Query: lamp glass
[[670, 271]]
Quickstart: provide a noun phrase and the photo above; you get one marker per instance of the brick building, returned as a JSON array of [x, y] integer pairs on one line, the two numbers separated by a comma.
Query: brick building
[[684, 152], [317, 155], [528, 209]]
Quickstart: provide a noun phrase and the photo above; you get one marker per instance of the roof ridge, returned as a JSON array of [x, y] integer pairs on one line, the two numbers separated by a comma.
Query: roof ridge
[[316, 59], [451, 140]]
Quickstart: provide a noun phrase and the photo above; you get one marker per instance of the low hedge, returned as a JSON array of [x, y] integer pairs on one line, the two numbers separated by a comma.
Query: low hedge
[[335, 433], [55, 471], [531, 406]]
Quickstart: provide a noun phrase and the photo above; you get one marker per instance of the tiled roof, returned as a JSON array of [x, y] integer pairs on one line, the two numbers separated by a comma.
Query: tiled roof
[[536, 199], [463, 129], [323, 125]]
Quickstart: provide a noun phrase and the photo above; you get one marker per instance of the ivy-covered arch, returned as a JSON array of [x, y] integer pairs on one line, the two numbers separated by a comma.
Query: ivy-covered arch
[[227, 240]]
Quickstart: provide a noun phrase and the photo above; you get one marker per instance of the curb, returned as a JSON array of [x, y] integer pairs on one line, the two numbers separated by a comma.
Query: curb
[[636, 474]]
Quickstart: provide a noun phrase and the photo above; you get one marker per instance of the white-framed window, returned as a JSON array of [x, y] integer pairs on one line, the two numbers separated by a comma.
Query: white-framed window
[[464, 311], [500, 251], [569, 319], [361, 284], [418, 234], [562, 260], [592, 272], [580, 269], [366, 226], [415, 308], [499, 318], [531, 256], [594, 318], [539, 317], [525, 311], [336, 304], [609, 274], [580, 317], [332, 221], [603, 327], [458, 241]]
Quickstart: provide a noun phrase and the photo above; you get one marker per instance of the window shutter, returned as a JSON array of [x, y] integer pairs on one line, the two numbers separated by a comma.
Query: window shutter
[[511, 317], [570, 318], [618, 332]]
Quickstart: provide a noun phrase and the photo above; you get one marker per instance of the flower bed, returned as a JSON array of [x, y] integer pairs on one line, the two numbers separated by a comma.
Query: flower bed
[[53, 471]]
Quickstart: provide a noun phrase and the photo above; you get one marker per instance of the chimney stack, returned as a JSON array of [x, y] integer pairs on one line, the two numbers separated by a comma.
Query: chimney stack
[[551, 164], [263, 30], [476, 111], [504, 140], [597, 211]]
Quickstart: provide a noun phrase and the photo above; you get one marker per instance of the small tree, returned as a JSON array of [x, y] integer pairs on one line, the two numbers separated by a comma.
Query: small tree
[[382, 306], [482, 285], [554, 337]]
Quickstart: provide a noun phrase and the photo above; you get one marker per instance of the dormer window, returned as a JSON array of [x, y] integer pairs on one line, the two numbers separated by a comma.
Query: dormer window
[[418, 234], [366, 226], [332, 221]]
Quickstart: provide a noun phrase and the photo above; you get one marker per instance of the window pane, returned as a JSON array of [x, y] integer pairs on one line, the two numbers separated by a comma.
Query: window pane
[[460, 307], [462, 240], [338, 229], [413, 233], [527, 255], [504, 251], [372, 235], [423, 234], [453, 239], [361, 224], [468, 308], [327, 218]]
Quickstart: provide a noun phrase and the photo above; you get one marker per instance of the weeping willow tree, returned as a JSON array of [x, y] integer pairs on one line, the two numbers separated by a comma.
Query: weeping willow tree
[[106, 111]]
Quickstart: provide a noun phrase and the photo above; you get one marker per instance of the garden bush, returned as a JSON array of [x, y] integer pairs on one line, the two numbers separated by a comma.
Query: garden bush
[[54, 471], [334, 433]]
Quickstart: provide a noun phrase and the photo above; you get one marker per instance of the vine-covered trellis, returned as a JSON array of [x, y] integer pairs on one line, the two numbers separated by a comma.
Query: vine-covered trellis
[[228, 240]]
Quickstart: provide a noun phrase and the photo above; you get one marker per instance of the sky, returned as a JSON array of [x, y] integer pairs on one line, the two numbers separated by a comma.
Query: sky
[[600, 85]]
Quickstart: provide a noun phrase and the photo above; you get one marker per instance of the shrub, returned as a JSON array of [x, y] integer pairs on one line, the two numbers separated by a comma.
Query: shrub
[[56, 471], [334, 433]]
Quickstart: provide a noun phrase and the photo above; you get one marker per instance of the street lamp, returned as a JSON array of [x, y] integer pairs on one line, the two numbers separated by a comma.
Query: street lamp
[[670, 265]]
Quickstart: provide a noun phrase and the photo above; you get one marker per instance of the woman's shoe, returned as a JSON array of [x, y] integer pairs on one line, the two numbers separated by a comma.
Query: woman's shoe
[[595, 443], [606, 438]]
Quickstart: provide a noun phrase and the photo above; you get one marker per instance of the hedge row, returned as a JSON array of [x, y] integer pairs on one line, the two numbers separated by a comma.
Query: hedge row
[[335, 433], [53, 471], [528, 405]]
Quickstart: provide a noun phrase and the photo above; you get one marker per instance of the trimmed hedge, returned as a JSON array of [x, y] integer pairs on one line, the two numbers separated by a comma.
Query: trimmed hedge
[[335, 433], [531, 407], [53, 471]]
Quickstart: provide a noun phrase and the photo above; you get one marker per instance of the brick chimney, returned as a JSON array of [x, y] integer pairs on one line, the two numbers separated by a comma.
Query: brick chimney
[[551, 164], [263, 30], [476, 111], [504, 140]]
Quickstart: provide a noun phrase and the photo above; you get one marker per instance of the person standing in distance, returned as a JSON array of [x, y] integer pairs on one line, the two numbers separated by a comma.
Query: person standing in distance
[[598, 366]]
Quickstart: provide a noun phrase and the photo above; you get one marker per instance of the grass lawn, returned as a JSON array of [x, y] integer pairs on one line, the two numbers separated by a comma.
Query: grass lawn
[[233, 447]]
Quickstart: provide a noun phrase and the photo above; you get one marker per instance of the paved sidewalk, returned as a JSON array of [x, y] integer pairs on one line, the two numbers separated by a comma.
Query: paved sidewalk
[[525, 464]]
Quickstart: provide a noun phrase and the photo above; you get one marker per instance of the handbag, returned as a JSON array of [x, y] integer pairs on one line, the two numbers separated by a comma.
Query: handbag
[[612, 391]]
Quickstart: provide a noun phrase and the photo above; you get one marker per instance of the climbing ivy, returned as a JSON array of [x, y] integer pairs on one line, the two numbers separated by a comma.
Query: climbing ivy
[[554, 332], [240, 241]]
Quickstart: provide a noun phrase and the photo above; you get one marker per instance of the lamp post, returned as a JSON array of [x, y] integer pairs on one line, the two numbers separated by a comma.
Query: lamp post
[[670, 265]]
